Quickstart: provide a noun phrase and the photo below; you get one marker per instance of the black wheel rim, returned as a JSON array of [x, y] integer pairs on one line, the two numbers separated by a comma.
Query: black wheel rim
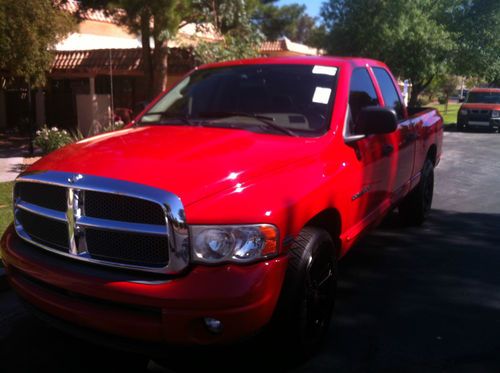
[[319, 296]]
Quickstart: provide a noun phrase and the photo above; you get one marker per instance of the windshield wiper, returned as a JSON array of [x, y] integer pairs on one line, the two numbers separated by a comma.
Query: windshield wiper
[[266, 120], [183, 117]]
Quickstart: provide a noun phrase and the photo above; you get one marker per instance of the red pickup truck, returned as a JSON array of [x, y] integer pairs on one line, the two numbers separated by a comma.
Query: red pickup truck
[[481, 109], [225, 206]]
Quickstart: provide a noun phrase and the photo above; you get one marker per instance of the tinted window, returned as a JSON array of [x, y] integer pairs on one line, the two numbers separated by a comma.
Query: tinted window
[[296, 97], [483, 98], [389, 92], [361, 94]]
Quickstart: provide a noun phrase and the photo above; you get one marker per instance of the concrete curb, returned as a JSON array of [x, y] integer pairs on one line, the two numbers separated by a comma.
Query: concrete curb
[[4, 285]]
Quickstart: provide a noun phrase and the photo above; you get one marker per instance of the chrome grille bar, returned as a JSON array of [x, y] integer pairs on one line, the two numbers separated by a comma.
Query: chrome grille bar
[[71, 211], [77, 222], [105, 224], [42, 211]]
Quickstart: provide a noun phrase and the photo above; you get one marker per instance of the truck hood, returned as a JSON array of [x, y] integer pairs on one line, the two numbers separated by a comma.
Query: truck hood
[[192, 162], [479, 106]]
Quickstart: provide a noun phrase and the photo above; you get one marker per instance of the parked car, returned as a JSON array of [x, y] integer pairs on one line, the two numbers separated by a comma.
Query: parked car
[[223, 210], [480, 110]]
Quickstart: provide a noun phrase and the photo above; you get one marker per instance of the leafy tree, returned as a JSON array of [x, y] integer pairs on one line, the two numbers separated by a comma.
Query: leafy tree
[[29, 30], [156, 20], [318, 37], [404, 34], [418, 39], [443, 87], [476, 26], [228, 16], [291, 21], [230, 49], [232, 20]]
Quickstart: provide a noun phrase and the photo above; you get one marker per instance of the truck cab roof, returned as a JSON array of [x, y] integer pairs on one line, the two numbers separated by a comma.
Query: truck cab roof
[[308, 60]]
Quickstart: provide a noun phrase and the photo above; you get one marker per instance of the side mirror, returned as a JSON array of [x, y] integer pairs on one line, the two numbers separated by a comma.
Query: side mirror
[[376, 120]]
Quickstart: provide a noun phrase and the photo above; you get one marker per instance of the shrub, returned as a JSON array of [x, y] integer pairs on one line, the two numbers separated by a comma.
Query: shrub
[[423, 101], [113, 126], [50, 139], [97, 127], [442, 100]]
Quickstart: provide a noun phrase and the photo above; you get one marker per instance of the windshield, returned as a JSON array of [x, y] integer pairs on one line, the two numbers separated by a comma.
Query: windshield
[[483, 98], [261, 98]]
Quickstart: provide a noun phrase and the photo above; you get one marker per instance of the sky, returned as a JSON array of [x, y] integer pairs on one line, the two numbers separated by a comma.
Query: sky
[[313, 6]]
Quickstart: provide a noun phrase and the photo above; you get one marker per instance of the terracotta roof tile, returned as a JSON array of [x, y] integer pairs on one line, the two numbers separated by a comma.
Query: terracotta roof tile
[[72, 7], [124, 61], [273, 46], [286, 45]]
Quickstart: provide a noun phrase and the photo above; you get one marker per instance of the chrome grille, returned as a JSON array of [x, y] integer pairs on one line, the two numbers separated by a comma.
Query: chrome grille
[[128, 248], [101, 220], [123, 208], [483, 112], [43, 230], [480, 115], [44, 195]]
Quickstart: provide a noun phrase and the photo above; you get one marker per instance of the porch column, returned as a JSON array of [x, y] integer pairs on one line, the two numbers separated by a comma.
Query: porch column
[[40, 108], [92, 86]]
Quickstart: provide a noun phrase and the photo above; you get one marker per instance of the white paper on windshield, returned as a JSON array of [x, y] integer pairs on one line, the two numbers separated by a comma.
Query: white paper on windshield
[[322, 95], [325, 70]]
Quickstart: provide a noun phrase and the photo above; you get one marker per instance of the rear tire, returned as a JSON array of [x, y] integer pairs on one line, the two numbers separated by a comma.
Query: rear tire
[[304, 312], [416, 206]]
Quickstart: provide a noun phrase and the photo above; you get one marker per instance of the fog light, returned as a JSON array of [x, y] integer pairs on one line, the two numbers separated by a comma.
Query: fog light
[[213, 325]]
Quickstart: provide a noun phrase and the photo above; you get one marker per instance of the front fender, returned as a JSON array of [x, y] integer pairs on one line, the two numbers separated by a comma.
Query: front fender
[[288, 199]]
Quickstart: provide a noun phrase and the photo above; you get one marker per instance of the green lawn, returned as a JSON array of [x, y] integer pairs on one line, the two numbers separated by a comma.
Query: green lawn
[[5, 205], [450, 116]]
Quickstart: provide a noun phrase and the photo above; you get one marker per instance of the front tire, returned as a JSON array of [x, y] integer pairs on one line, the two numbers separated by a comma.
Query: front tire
[[416, 206], [306, 304]]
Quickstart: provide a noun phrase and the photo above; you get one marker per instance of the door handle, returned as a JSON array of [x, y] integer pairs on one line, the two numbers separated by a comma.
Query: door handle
[[387, 149]]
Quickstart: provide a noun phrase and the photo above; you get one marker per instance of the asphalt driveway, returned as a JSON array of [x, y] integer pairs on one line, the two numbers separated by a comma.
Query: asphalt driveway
[[410, 299]]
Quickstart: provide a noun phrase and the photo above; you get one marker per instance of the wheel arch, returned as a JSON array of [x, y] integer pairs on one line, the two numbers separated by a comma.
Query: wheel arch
[[432, 154], [330, 220]]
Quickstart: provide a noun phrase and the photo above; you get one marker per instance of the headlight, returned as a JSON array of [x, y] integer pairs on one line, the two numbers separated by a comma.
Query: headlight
[[463, 111], [495, 114], [233, 243]]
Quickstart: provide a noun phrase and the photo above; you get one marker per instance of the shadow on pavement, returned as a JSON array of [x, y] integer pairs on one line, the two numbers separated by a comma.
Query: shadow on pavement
[[13, 146], [419, 299], [410, 300], [450, 128]]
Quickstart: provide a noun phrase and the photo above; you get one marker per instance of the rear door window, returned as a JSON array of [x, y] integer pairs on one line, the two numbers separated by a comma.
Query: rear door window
[[361, 94], [389, 92]]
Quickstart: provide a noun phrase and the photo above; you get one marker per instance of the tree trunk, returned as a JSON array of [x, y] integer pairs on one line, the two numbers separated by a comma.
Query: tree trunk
[[160, 65], [415, 92], [417, 88], [147, 58]]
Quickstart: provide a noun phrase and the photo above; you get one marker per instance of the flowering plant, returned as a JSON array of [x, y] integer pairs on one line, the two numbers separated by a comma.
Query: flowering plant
[[113, 126], [50, 139]]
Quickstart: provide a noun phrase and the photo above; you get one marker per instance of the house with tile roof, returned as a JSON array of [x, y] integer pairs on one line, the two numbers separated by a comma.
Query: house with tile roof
[[98, 65], [97, 71]]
